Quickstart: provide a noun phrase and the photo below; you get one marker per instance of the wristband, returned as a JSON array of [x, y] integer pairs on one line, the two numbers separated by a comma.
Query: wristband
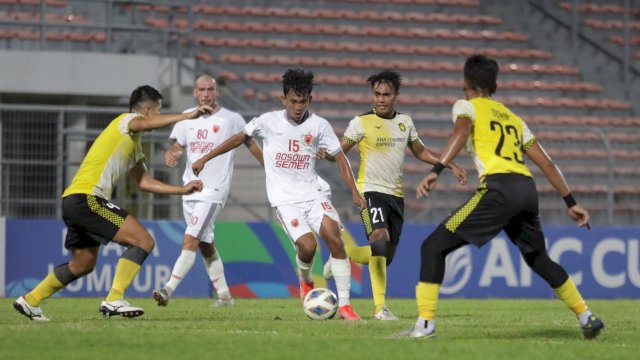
[[569, 200], [437, 168]]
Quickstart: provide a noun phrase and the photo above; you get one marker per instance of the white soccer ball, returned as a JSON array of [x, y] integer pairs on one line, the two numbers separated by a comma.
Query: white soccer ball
[[320, 304]]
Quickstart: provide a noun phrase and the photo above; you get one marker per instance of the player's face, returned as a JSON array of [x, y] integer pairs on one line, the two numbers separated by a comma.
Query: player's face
[[384, 98], [296, 105], [205, 91]]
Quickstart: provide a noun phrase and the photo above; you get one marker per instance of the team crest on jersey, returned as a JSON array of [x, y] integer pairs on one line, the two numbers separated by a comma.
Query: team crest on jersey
[[295, 223], [216, 128], [402, 127], [307, 140]]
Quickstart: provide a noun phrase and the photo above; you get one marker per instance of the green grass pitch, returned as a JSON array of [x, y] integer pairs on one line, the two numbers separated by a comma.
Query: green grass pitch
[[278, 329]]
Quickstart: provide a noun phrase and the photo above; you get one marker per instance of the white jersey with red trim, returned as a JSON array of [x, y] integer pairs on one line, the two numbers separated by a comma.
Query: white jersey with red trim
[[289, 151], [198, 137]]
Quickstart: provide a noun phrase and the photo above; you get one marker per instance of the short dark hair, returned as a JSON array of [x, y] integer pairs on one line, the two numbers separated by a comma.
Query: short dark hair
[[388, 76], [143, 94], [481, 73], [298, 81]]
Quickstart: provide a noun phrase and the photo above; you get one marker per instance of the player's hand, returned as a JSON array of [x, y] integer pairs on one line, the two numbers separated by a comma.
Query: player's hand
[[192, 186], [426, 185], [171, 157], [199, 111], [459, 173], [360, 202], [580, 216], [322, 153], [197, 166]]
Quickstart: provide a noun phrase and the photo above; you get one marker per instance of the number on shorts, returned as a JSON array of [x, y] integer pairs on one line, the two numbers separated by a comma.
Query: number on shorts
[[375, 212], [111, 206], [326, 205]]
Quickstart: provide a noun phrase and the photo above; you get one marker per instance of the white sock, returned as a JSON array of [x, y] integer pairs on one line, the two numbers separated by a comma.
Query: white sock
[[341, 270], [584, 317], [305, 270], [180, 270], [426, 326], [215, 269]]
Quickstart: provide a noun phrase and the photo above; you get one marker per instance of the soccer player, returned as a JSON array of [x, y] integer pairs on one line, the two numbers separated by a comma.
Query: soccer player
[[506, 199], [291, 138], [92, 219], [198, 137], [383, 135]]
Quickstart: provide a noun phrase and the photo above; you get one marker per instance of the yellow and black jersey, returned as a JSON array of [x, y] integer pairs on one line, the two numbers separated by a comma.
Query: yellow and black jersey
[[383, 144], [112, 155], [499, 139]]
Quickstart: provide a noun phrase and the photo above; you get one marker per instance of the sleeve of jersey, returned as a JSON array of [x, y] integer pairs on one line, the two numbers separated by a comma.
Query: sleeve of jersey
[[177, 134], [353, 134], [528, 139], [463, 108], [123, 125], [254, 127], [413, 134], [329, 140]]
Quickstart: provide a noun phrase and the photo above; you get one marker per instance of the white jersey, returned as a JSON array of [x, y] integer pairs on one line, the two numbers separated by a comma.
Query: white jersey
[[289, 152], [199, 137]]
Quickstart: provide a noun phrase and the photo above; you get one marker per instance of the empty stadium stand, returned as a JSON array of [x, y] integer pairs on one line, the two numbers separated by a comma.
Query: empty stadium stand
[[578, 98]]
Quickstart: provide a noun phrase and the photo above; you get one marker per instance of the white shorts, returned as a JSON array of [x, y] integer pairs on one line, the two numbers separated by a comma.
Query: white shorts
[[200, 217], [304, 217]]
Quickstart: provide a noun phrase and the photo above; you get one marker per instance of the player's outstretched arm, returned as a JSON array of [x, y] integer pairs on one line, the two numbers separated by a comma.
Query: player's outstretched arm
[[349, 180], [429, 156], [173, 154], [255, 150], [540, 157], [456, 142], [145, 182], [158, 121], [228, 145]]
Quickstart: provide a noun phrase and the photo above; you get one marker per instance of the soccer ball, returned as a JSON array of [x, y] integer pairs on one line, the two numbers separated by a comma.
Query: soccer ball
[[320, 304]]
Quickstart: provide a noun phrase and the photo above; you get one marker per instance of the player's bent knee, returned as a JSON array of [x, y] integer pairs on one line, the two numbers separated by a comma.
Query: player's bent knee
[[306, 246], [380, 247]]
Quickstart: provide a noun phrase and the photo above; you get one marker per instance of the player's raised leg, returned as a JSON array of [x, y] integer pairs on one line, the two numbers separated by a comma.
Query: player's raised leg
[[340, 267]]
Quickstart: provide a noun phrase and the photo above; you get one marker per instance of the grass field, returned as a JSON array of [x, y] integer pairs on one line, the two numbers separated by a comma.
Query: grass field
[[278, 329]]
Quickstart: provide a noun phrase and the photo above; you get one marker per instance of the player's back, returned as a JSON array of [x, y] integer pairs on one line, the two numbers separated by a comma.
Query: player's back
[[111, 156], [499, 138]]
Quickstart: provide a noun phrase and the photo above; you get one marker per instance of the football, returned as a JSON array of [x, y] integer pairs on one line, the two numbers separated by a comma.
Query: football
[[320, 304]]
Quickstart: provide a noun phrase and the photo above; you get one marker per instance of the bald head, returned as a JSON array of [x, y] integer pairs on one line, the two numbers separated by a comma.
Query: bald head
[[205, 90]]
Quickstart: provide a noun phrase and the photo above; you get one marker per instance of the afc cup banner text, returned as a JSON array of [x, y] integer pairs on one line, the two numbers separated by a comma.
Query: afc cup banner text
[[259, 262]]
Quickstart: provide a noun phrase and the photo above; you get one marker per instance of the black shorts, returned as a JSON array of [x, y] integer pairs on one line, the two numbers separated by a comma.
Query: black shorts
[[506, 202], [90, 220], [383, 211]]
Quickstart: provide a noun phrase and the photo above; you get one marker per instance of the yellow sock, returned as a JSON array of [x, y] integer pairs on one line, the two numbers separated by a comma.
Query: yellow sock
[[570, 295], [359, 254], [378, 274], [47, 287], [125, 272], [427, 298]]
